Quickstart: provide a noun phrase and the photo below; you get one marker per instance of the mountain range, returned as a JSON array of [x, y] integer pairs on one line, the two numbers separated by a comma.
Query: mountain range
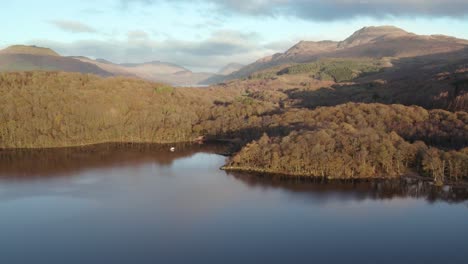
[[29, 58], [368, 42]]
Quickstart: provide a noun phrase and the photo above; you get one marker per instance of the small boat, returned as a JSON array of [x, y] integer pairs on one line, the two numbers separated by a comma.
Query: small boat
[[172, 149]]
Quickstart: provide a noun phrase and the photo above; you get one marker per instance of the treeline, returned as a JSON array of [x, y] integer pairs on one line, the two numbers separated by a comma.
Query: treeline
[[348, 153]]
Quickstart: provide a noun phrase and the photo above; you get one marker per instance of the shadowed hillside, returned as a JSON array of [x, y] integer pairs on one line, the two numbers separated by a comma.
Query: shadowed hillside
[[432, 81]]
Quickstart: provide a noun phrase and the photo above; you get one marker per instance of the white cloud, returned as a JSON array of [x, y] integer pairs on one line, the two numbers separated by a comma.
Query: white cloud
[[208, 54], [73, 26], [327, 10], [137, 35]]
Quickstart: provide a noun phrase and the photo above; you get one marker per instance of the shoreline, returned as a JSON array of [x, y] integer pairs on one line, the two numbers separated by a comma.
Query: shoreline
[[107, 143], [296, 175], [191, 142], [306, 177], [263, 172]]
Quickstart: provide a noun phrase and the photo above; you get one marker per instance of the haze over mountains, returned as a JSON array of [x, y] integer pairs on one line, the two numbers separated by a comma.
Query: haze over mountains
[[28, 58], [154, 71], [369, 42], [230, 68]]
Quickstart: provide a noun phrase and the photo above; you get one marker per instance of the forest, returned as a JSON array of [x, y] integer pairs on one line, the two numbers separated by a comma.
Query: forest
[[270, 130]]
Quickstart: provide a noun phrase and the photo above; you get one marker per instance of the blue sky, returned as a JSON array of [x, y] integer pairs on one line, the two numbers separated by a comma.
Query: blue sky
[[204, 35]]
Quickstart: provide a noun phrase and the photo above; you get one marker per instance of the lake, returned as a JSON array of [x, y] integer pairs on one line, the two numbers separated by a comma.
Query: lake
[[145, 204]]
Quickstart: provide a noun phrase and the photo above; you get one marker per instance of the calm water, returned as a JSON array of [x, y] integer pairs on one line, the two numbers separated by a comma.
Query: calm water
[[144, 204]]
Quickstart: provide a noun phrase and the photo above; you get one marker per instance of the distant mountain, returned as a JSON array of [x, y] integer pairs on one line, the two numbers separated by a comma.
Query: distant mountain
[[153, 71], [227, 70], [29, 58], [31, 50], [230, 68], [368, 42], [108, 66]]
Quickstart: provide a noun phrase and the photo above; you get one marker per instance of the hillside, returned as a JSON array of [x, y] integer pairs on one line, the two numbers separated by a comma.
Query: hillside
[[368, 42], [222, 73], [53, 109], [230, 68], [115, 69], [432, 81], [32, 58]]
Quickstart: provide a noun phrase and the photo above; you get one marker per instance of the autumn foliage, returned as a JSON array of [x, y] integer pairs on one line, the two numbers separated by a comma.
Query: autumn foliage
[[272, 133]]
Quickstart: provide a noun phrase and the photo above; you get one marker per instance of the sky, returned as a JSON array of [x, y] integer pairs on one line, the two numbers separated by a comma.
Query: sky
[[205, 35]]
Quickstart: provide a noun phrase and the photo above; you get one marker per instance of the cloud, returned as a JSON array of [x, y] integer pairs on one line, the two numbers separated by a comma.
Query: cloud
[[73, 26], [137, 35], [208, 54], [329, 10]]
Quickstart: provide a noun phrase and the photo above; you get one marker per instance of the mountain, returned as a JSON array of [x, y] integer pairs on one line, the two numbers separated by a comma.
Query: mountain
[[154, 71], [368, 35], [28, 58], [31, 50], [165, 72], [368, 42], [230, 68]]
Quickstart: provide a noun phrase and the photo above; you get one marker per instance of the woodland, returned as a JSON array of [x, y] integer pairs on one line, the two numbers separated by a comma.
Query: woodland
[[292, 128]]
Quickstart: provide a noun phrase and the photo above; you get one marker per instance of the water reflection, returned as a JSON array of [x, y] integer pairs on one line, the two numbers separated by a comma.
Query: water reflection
[[357, 189], [146, 204], [24, 164]]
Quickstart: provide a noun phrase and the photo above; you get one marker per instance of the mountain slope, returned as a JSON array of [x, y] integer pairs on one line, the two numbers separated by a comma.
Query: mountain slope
[[368, 42], [154, 71], [29, 58], [115, 69], [230, 68]]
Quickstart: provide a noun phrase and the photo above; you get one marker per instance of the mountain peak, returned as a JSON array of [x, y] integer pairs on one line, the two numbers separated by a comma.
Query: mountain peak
[[31, 50], [371, 34], [383, 29]]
